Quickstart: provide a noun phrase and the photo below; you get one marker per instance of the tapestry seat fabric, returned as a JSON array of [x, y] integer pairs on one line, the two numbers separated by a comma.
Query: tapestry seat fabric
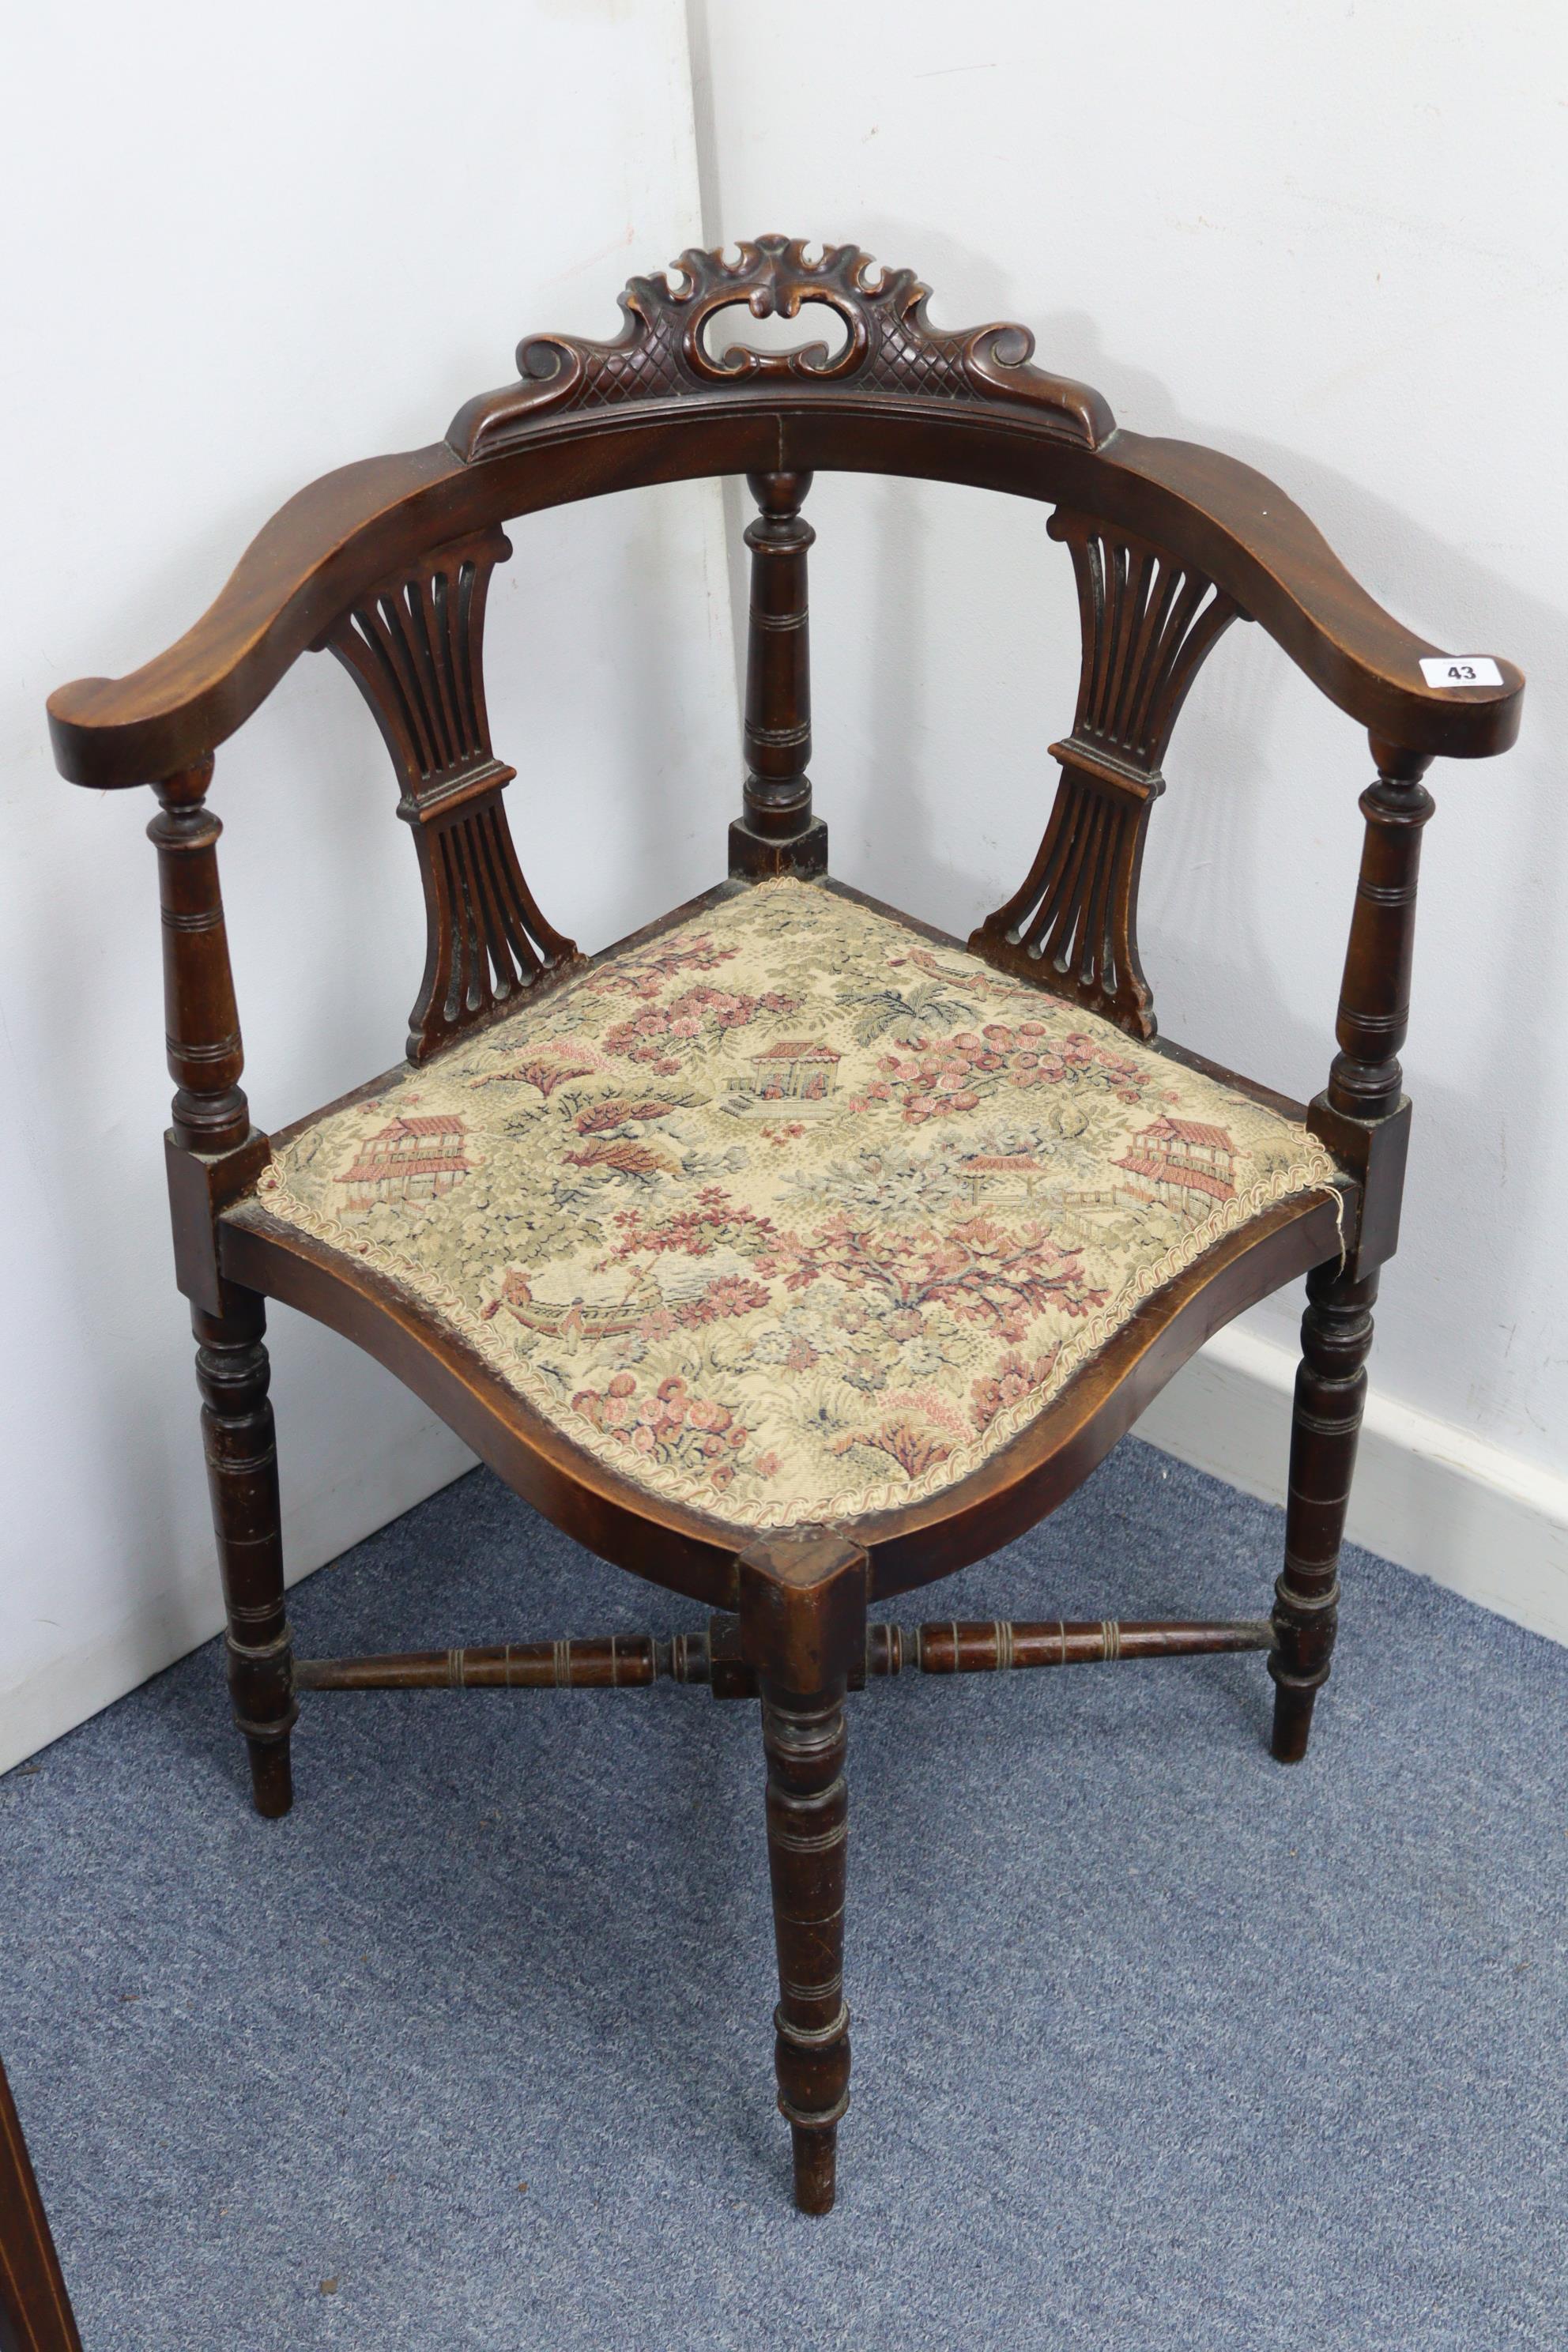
[[787, 1213]]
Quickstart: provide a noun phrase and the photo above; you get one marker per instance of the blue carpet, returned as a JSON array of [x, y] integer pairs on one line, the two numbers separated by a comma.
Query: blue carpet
[[1156, 2044]]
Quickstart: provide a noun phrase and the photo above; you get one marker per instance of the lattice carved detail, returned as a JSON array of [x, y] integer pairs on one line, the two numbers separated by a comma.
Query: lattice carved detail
[[662, 353], [415, 646], [1149, 623]]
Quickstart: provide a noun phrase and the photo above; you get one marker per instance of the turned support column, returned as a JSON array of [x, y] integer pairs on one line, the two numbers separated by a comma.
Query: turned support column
[[1374, 994], [1363, 1116], [232, 1374], [201, 1022], [778, 834], [803, 1628], [1331, 1392], [213, 1152]]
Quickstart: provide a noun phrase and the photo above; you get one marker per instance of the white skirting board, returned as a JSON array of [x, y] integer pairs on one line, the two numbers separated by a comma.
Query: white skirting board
[[1447, 1505], [168, 1624]]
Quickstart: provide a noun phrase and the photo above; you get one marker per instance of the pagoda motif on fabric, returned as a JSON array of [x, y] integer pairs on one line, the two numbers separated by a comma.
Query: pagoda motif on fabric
[[798, 1071], [800, 1267], [411, 1159], [1039, 1184], [1182, 1164], [996, 1180]]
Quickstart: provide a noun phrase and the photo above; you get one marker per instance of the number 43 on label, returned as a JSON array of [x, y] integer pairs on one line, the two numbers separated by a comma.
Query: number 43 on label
[[1454, 670]]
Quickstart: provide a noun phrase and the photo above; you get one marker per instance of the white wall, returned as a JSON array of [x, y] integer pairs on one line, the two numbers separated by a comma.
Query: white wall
[[1330, 241], [240, 250]]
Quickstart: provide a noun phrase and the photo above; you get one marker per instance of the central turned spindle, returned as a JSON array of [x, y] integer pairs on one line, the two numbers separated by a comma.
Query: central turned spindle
[[778, 834]]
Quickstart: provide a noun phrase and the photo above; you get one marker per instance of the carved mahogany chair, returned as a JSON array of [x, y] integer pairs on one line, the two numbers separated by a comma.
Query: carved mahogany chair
[[788, 1253]]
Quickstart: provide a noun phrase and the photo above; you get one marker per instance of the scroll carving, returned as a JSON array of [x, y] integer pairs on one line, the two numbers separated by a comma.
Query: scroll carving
[[1147, 624], [892, 349], [415, 646]]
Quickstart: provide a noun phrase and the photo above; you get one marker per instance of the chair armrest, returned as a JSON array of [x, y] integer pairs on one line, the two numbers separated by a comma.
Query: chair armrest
[[289, 586], [1252, 539], [354, 525]]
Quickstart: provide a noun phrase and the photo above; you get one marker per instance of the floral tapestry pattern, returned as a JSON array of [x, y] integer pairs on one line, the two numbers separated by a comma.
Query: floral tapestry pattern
[[787, 1213]]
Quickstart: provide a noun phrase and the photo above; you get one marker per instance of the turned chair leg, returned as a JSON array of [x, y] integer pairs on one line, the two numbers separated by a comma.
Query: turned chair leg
[[1331, 1390], [805, 1738], [232, 1374], [802, 1621]]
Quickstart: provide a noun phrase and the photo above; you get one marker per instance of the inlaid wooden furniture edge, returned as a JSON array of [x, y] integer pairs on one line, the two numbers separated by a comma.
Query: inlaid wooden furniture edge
[[338, 537], [35, 2309], [710, 1657]]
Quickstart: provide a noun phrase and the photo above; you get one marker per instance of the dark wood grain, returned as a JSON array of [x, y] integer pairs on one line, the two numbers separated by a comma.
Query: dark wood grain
[[602, 1661], [1330, 1395], [638, 1661], [803, 1627], [1362, 1114], [36, 2314], [1374, 994], [212, 1152], [415, 648], [891, 349], [211, 1149], [233, 1375], [777, 833], [329, 545], [1147, 626], [201, 1021]]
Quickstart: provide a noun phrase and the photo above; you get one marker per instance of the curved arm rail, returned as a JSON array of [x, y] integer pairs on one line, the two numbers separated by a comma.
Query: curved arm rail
[[902, 398]]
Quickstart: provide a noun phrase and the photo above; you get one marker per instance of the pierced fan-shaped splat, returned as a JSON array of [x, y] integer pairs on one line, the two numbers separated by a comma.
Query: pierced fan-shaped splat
[[415, 646], [1147, 624]]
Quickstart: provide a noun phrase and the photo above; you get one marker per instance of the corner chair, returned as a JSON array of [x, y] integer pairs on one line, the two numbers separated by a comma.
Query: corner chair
[[788, 1253]]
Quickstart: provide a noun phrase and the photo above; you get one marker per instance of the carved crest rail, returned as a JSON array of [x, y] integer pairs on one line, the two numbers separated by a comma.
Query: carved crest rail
[[891, 347]]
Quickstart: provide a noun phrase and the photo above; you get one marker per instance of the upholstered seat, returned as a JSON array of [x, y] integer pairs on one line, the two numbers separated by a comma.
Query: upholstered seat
[[789, 1214]]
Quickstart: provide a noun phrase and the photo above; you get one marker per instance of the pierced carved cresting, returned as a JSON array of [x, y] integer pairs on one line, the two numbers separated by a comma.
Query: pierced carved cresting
[[1147, 624], [663, 351], [414, 647]]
